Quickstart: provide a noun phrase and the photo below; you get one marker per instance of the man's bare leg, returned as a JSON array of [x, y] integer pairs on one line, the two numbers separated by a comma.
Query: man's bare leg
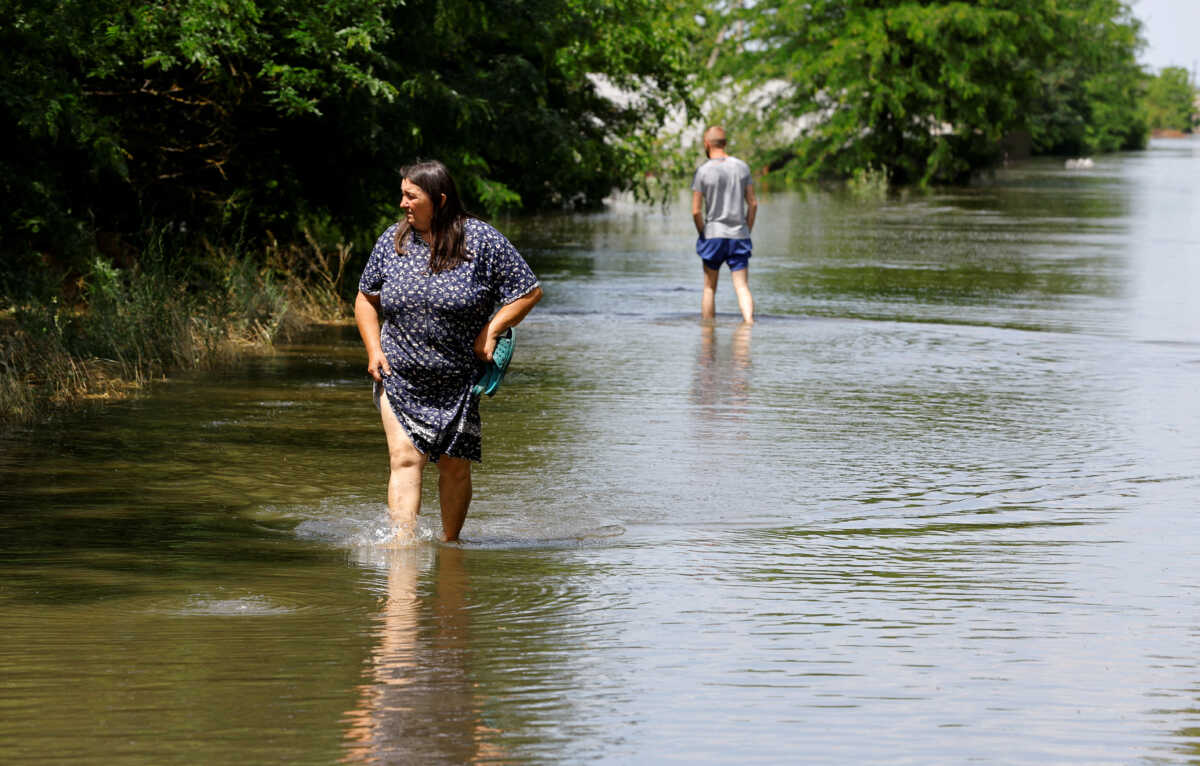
[[404, 483], [454, 492], [741, 286], [708, 300]]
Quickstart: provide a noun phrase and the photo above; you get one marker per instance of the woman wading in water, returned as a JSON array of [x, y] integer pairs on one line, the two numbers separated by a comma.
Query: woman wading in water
[[424, 311]]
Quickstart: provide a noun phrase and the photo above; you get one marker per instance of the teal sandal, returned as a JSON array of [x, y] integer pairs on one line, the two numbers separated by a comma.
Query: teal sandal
[[489, 381]]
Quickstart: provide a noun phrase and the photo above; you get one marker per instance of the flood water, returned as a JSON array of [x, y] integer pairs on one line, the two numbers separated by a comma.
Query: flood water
[[939, 505]]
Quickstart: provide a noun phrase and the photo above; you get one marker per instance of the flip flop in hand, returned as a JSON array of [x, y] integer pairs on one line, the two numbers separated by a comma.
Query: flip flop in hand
[[489, 381]]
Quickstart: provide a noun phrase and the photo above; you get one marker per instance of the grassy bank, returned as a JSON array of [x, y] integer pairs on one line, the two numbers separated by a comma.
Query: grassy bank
[[106, 333]]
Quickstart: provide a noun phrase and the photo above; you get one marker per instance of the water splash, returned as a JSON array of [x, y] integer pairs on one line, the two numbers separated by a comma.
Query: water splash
[[250, 605]]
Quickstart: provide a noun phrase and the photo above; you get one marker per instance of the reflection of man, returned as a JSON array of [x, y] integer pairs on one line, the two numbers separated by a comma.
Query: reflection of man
[[723, 207], [721, 386]]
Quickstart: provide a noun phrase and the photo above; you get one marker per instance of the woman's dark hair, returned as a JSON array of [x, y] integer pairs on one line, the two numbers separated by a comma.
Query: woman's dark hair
[[448, 248]]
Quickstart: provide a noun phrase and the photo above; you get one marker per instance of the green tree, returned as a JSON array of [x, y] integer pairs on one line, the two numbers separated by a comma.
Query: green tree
[[509, 93], [258, 118], [928, 89], [1171, 101], [186, 114], [1090, 99]]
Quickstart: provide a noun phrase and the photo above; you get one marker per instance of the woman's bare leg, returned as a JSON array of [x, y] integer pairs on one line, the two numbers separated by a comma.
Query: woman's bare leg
[[454, 492], [406, 462], [708, 300], [741, 286]]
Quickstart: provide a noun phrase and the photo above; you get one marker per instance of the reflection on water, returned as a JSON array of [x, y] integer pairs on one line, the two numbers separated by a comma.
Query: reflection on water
[[936, 506], [721, 390], [420, 704]]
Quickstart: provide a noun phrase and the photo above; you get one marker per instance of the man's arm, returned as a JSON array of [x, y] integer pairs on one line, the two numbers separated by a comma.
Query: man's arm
[[751, 206], [698, 212]]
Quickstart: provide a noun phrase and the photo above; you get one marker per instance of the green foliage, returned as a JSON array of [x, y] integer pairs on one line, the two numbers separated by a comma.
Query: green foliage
[[929, 89], [149, 317], [925, 90], [1171, 101], [1089, 101], [162, 313], [263, 116], [868, 183], [196, 113], [519, 113]]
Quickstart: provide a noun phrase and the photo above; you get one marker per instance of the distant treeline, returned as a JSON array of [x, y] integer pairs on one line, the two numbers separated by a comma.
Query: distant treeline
[[1173, 101], [933, 92]]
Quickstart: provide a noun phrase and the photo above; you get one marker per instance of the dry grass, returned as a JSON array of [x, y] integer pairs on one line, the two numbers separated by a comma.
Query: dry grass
[[313, 280]]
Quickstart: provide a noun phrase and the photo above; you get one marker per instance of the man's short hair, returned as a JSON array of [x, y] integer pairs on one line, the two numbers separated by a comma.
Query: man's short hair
[[715, 135]]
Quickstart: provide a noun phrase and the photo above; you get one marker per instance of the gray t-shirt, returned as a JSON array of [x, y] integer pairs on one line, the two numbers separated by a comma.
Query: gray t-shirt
[[723, 183]]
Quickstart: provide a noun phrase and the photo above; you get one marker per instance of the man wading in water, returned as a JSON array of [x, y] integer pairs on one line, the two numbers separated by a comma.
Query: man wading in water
[[723, 207]]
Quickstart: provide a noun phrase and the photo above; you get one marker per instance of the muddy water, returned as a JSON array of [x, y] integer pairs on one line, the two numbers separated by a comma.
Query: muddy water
[[938, 505]]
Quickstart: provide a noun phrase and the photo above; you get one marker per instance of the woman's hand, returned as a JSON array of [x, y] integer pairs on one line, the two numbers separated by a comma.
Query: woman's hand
[[377, 365], [508, 316], [367, 313], [485, 343]]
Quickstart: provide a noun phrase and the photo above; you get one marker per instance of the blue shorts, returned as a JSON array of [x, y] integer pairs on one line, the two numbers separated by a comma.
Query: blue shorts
[[714, 252]]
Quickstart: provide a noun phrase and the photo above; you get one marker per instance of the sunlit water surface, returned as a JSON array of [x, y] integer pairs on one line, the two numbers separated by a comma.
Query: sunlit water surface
[[939, 505]]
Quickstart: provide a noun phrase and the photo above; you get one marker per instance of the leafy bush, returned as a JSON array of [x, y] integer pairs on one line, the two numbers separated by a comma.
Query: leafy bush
[[270, 116], [929, 89], [1171, 101]]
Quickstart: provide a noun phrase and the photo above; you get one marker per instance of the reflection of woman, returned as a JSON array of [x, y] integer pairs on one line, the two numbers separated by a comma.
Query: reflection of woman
[[420, 703], [424, 311]]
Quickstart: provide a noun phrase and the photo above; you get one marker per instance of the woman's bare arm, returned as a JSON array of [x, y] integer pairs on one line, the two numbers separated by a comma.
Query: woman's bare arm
[[509, 315], [367, 313]]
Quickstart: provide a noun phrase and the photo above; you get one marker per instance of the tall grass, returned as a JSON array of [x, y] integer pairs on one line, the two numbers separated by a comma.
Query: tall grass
[[314, 279], [869, 183], [159, 314]]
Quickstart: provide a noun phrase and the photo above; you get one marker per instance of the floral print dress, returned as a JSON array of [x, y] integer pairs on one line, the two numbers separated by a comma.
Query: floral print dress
[[430, 322]]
